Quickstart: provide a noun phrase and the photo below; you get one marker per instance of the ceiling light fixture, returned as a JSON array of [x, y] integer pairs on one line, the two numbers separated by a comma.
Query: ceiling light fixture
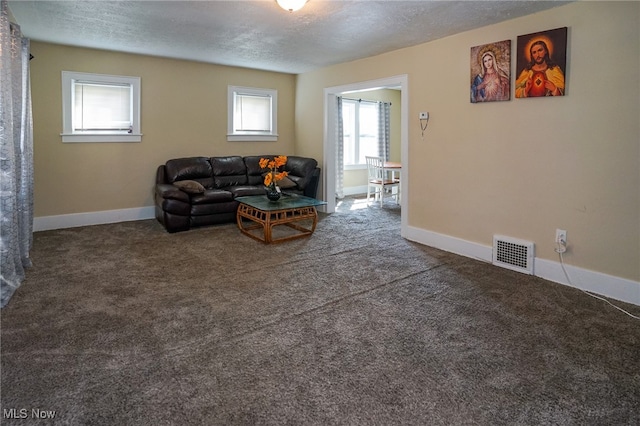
[[291, 5]]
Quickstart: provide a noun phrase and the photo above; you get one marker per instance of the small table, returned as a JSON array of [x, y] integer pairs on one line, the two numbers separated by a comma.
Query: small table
[[393, 167], [265, 214]]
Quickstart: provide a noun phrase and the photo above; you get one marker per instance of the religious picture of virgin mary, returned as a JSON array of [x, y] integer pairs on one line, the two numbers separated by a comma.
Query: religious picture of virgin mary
[[491, 72]]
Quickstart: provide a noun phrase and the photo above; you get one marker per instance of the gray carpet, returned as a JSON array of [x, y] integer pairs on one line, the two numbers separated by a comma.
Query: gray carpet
[[126, 324]]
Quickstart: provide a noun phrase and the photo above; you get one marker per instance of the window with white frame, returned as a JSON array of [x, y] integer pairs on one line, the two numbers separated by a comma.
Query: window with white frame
[[100, 108], [252, 114], [360, 126]]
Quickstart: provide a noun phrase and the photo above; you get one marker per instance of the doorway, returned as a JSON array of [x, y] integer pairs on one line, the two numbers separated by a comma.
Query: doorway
[[330, 93]]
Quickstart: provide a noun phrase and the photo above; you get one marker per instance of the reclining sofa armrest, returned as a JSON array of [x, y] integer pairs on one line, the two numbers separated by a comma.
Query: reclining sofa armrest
[[311, 190], [171, 192]]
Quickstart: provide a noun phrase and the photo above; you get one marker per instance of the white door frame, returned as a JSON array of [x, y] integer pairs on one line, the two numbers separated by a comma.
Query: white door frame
[[330, 94]]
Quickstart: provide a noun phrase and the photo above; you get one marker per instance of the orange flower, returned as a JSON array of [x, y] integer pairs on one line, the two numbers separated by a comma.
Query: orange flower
[[273, 176], [281, 160]]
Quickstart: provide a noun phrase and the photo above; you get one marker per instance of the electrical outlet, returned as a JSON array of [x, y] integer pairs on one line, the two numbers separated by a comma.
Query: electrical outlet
[[561, 241]]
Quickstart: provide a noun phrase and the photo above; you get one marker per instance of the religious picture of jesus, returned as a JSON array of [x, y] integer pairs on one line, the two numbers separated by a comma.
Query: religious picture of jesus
[[491, 72], [541, 62]]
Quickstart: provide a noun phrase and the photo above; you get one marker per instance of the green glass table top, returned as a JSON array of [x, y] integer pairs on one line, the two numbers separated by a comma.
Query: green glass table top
[[290, 201]]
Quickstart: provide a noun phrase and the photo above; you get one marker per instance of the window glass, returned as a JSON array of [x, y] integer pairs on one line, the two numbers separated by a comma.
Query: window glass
[[252, 114], [360, 128], [349, 132], [101, 107], [368, 131]]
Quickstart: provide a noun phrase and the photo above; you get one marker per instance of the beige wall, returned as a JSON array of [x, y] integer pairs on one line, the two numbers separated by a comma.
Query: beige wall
[[525, 167], [183, 113]]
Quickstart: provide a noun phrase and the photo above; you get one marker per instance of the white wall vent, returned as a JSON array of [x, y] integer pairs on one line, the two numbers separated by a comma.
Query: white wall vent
[[512, 253]]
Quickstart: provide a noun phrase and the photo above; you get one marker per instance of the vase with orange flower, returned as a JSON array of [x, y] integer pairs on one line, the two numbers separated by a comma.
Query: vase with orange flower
[[273, 175]]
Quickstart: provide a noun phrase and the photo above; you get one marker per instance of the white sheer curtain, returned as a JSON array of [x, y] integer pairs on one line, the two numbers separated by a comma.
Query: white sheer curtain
[[339, 149], [16, 157], [384, 134]]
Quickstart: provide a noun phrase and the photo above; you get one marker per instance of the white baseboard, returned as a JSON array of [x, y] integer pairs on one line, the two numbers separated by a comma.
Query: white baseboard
[[596, 282], [46, 223], [355, 190]]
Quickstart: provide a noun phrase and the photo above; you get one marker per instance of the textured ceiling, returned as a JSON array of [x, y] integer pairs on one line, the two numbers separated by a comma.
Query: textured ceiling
[[259, 34]]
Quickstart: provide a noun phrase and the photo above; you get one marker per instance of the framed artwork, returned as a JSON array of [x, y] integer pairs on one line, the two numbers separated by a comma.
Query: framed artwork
[[541, 62], [491, 72]]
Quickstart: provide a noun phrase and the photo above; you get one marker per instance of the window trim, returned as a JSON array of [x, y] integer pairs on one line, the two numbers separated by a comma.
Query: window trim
[[69, 135], [232, 135]]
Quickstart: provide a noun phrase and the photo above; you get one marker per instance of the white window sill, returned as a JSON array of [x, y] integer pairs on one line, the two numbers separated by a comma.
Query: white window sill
[[252, 138], [85, 137], [355, 166]]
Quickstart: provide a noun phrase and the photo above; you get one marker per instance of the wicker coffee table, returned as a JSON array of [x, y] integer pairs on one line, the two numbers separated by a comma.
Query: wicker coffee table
[[293, 211]]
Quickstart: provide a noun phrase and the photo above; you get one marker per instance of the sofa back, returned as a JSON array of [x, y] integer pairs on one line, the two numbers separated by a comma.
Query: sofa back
[[190, 168], [254, 172], [228, 171]]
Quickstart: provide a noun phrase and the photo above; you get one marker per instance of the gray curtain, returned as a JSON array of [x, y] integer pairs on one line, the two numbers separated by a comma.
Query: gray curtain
[[16, 157], [384, 134], [339, 150]]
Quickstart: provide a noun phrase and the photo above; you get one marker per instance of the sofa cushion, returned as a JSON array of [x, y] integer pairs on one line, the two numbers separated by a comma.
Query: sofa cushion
[[286, 183], [190, 168], [189, 186], [228, 171], [246, 190], [212, 196]]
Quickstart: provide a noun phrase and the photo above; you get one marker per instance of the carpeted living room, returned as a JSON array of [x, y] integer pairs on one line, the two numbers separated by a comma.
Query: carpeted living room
[[128, 324], [139, 289]]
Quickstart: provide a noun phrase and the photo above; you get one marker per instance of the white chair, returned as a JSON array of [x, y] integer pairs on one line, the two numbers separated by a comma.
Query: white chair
[[379, 181]]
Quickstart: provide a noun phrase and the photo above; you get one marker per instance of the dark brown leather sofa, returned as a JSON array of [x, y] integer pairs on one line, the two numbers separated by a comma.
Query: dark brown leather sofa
[[221, 180]]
